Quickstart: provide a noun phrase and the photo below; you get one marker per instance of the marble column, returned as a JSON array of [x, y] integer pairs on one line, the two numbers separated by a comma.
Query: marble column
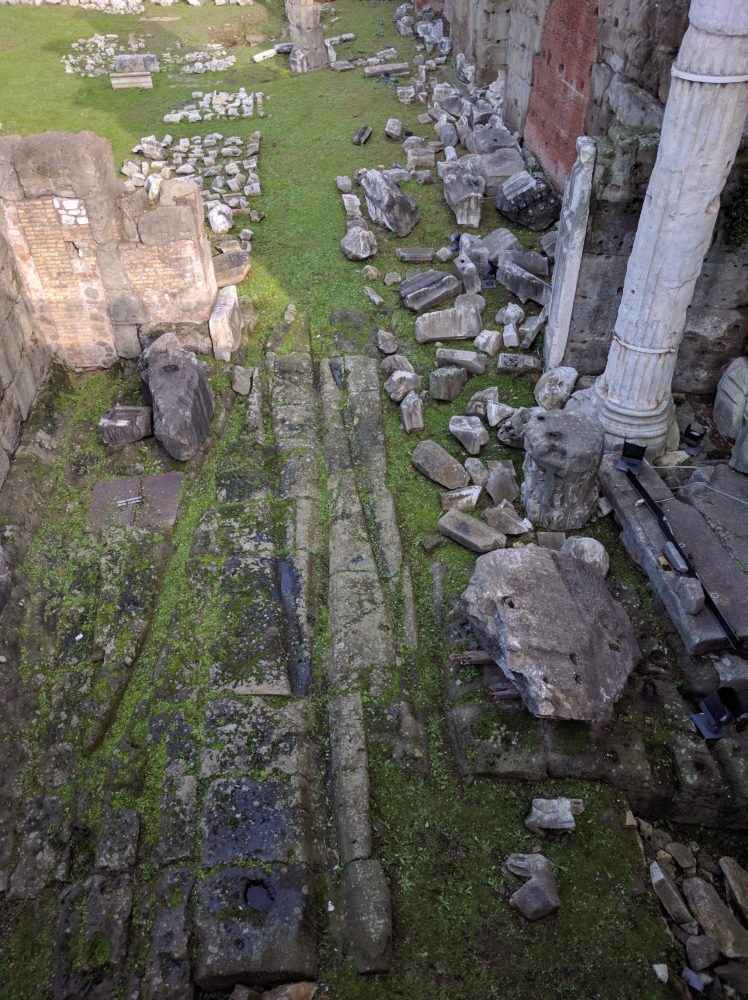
[[701, 131]]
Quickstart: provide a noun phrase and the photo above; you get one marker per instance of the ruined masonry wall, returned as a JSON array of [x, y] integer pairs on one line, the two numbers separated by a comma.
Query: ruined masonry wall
[[717, 320], [480, 30], [86, 266], [561, 85], [24, 357]]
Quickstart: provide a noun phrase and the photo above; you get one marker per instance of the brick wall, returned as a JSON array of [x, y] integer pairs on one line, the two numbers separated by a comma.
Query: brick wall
[[62, 251], [561, 85]]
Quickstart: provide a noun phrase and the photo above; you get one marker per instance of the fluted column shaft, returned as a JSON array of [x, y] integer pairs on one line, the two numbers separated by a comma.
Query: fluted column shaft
[[701, 131]]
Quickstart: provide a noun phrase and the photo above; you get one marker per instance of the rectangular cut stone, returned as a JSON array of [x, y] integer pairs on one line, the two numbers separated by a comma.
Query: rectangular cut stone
[[225, 323], [254, 925], [387, 69], [470, 532], [460, 323], [131, 81], [645, 542], [415, 255], [428, 289]]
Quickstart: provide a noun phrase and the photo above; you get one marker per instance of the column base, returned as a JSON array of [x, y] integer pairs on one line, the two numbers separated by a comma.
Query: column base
[[656, 429]]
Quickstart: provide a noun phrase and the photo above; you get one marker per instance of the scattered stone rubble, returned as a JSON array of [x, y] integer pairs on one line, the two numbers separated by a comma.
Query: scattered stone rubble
[[204, 107], [225, 168]]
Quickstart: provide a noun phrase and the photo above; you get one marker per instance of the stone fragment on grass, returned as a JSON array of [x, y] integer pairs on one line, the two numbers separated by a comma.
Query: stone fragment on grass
[[471, 361], [432, 461], [359, 243], [490, 342], [470, 432], [538, 897], [504, 518], [502, 484], [465, 499], [400, 383], [225, 323], [387, 205], [411, 414], [385, 341], [469, 532], [446, 384], [553, 814], [124, 424], [396, 362]]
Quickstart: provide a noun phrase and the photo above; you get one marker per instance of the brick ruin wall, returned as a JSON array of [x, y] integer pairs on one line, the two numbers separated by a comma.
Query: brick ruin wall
[[560, 93], [85, 267]]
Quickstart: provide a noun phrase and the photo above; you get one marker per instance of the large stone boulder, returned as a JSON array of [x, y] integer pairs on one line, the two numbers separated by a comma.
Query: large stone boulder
[[549, 622], [176, 386], [387, 205], [563, 452], [529, 200], [359, 243]]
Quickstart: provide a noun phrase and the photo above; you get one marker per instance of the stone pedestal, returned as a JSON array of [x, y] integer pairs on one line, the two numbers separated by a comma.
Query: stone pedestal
[[563, 453], [701, 132]]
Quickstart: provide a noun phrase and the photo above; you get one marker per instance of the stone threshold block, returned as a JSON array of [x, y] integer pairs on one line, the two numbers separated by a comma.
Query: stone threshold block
[[131, 81], [644, 542]]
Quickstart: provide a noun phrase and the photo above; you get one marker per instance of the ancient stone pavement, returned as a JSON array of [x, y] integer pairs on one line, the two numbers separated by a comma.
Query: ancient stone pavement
[[187, 721]]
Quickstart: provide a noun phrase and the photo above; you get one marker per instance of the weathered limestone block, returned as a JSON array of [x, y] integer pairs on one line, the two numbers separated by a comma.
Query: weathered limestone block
[[125, 424], [471, 361], [446, 384], [529, 200], [359, 243], [530, 609], [387, 205], [470, 532], [469, 431], [555, 386], [367, 915], [411, 414], [307, 36], [463, 192], [430, 459], [177, 386], [225, 323], [563, 455], [428, 289], [459, 323], [493, 168], [232, 267], [522, 283]]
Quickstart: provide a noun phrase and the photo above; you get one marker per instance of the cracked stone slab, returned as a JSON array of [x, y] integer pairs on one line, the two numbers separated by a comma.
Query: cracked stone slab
[[255, 927], [45, 847], [245, 738], [244, 819], [168, 973]]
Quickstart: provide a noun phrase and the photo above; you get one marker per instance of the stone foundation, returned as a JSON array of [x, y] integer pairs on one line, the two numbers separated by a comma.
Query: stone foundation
[[84, 265]]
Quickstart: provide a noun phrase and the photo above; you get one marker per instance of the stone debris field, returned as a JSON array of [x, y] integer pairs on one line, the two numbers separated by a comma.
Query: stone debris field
[[373, 554]]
